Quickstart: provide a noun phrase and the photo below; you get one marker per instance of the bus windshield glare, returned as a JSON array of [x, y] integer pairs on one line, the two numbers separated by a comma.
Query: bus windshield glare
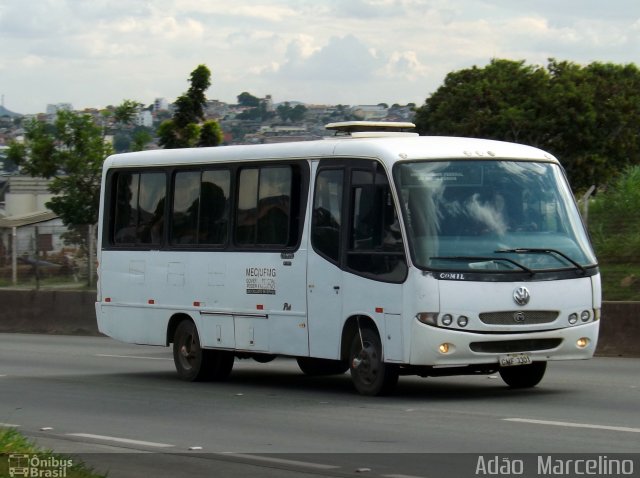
[[491, 216]]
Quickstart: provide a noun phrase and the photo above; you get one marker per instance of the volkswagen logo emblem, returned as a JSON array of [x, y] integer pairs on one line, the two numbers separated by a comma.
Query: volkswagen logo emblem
[[521, 296], [519, 317]]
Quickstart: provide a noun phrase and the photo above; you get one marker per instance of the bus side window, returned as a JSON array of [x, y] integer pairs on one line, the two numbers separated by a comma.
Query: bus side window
[[151, 205], [327, 211], [186, 204], [139, 208], [214, 207], [125, 208], [375, 241], [200, 208], [264, 216]]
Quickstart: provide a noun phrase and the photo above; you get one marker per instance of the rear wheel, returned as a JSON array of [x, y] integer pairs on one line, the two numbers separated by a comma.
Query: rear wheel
[[219, 364], [523, 376], [316, 366], [195, 364], [189, 358], [370, 375]]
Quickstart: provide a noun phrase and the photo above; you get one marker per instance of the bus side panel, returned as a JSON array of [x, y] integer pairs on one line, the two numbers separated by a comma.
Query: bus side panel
[[136, 325], [381, 301]]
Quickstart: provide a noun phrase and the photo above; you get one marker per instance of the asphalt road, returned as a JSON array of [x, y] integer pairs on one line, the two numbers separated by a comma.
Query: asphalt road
[[122, 409]]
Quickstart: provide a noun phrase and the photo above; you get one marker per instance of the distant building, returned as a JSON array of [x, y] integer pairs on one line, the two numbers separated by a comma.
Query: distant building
[[144, 118], [268, 104], [160, 104], [52, 109], [26, 195], [369, 112], [28, 226], [216, 109]]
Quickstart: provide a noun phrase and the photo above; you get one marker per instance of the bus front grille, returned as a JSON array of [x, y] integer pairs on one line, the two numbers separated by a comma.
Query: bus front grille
[[529, 317], [512, 346]]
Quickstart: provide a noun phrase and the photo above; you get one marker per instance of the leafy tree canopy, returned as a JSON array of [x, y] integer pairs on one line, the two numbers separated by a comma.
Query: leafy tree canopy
[[588, 116], [70, 153], [185, 128], [293, 114], [247, 99], [210, 134], [126, 112]]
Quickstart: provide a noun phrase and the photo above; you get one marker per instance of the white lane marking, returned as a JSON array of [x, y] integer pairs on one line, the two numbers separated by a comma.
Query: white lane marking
[[120, 440], [281, 461], [9, 425], [132, 357], [573, 425]]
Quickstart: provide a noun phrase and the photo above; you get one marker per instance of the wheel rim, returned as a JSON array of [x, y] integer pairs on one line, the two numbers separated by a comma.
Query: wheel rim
[[189, 351], [367, 364]]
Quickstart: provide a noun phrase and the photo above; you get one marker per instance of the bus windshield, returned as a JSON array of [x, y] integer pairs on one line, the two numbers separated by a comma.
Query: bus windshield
[[491, 216]]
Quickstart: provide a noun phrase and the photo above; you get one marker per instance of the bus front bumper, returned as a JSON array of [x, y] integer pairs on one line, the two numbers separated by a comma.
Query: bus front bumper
[[436, 346]]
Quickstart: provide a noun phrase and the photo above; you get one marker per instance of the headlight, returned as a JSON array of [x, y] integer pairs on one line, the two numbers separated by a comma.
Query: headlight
[[447, 320], [585, 315], [463, 321], [573, 318]]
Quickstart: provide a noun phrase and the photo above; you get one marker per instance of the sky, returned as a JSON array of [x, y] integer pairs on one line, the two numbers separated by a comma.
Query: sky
[[95, 53]]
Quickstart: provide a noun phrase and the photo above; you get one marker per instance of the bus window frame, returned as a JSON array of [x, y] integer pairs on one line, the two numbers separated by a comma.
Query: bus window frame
[[347, 166], [299, 199]]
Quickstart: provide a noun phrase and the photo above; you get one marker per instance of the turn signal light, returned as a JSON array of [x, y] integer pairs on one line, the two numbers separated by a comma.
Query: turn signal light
[[429, 318]]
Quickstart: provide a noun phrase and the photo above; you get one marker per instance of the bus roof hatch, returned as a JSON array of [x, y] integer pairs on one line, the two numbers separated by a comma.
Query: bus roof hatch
[[371, 128]]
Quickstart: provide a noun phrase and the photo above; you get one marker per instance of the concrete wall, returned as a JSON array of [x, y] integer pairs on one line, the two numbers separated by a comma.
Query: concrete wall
[[73, 312], [620, 329], [48, 312]]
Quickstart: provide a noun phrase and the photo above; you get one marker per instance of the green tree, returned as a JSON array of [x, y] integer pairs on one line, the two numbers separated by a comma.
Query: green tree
[[247, 99], [503, 101], [587, 116], [125, 113], [284, 111], [210, 134], [141, 137], [294, 114], [184, 129], [71, 155], [298, 113]]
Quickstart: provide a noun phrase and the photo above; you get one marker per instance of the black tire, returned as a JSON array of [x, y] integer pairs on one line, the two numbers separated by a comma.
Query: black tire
[[369, 373], [523, 376], [316, 367], [219, 364], [189, 358]]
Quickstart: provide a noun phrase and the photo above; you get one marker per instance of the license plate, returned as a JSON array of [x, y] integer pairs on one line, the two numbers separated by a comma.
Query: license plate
[[512, 360]]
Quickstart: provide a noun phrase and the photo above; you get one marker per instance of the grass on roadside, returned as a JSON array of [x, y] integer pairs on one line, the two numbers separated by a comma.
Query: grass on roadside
[[22, 455]]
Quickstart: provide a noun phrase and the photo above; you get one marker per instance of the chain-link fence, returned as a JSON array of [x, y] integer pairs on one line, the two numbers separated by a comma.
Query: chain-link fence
[[47, 256]]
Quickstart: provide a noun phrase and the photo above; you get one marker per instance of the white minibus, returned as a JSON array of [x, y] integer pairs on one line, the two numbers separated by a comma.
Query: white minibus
[[376, 251]]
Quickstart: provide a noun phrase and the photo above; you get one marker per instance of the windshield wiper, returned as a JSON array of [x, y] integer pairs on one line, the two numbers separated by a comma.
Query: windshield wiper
[[481, 258], [526, 250]]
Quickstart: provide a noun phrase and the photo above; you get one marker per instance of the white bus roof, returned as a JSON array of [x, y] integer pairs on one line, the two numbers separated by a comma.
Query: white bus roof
[[390, 148]]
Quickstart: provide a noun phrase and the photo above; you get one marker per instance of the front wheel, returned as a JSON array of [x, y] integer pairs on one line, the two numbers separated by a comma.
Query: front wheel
[[523, 376], [370, 374]]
